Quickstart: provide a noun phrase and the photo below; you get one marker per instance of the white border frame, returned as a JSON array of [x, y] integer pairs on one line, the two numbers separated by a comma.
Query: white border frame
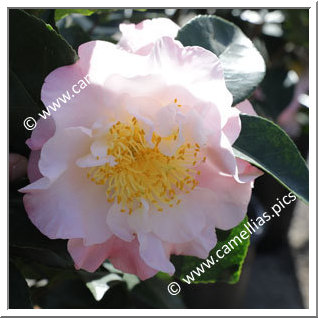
[[312, 158]]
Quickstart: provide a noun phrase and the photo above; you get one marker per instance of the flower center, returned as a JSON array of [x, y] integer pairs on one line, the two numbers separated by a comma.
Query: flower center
[[142, 172]]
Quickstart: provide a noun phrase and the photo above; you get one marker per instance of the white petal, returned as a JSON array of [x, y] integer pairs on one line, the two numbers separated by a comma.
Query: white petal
[[154, 254], [189, 218], [118, 223]]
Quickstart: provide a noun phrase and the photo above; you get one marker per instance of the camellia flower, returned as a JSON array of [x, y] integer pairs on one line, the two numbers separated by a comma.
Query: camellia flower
[[139, 165]]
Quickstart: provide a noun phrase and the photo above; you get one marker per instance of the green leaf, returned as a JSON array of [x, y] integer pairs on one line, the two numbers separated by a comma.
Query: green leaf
[[22, 105], [228, 269], [244, 67], [47, 15], [265, 145], [152, 293], [62, 13], [35, 50], [19, 296]]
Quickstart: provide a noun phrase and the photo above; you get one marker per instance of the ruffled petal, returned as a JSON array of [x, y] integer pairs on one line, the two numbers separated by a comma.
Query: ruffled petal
[[123, 255], [154, 254], [43, 131], [98, 60], [186, 67], [247, 172], [227, 198], [62, 151], [139, 38], [199, 247], [118, 223], [220, 154], [232, 128], [70, 207], [88, 257]]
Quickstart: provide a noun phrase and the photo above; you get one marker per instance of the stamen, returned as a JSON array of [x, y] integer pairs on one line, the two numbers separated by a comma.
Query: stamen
[[142, 171]]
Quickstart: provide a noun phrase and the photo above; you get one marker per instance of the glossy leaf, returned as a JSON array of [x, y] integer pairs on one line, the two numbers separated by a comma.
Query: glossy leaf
[[227, 269], [35, 50], [47, 15], [244, 67], [265, 145], [43, 51]]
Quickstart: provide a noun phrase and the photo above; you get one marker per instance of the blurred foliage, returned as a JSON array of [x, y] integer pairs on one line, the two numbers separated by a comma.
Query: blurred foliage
[[296, 27], [62, 13], [19, 295]]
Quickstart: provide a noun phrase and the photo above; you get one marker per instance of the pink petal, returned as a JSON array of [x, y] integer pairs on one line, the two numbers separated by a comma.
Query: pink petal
[[247, 172], [33, 166], [139, 38], [153, 253], [123, 255], [88, 257], [232, 127], [199, 247], [187, 67], [43, 131], [97, 61], [188, 216], [246, 107], [70, 207], [62, 151], [118, 223], [220, 154], [228, 199]]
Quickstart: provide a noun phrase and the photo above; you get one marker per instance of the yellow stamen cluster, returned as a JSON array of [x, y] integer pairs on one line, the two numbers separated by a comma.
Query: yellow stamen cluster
[[141, 171]]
